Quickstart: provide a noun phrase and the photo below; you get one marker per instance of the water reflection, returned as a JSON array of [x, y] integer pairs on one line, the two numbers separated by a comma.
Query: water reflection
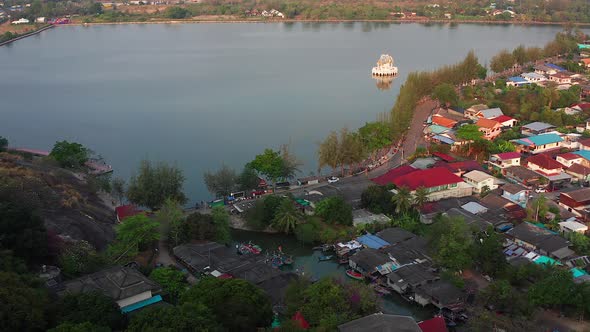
[[383, 82]]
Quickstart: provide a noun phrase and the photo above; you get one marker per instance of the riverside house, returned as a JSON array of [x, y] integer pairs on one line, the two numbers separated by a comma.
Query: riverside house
[[544, 241]]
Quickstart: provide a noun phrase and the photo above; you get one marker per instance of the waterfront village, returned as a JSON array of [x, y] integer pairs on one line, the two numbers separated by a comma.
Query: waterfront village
[[481, 216]]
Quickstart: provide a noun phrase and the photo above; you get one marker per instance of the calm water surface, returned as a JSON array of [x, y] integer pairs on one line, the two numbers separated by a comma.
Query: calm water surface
[[201, 95]]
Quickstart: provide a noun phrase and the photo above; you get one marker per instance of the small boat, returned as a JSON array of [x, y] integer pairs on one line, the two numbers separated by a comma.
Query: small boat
[[343, 261], [325, 258], [249, 248], [354, 275], [287, 260], [382, 290]]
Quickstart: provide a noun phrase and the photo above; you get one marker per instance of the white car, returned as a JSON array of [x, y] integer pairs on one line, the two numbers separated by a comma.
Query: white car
[[540, 190], [333, 179]]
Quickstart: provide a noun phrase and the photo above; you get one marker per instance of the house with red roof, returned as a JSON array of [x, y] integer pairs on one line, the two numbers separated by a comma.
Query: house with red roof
[[434, 324], [544, 165], [439, 181], [460, 167], [490, 128], [501, 161], [569, 159], [506, 121], [393, 174], [584, 144], [126, 211], [579, 172]]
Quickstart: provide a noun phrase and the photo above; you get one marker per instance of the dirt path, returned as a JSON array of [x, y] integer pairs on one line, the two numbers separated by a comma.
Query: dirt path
[[550, 321]]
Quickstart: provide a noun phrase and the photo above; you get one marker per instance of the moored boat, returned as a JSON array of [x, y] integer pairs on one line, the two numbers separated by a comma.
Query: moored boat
[[249, 248], [354, 274], [343, 261], [381, 290], [325, 258]]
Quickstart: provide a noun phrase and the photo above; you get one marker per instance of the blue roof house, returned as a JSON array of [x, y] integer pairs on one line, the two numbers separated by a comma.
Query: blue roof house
[[517, 81], [537, 144]]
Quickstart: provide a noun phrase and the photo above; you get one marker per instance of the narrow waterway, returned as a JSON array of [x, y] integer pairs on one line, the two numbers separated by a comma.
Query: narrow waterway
[[306, 262]]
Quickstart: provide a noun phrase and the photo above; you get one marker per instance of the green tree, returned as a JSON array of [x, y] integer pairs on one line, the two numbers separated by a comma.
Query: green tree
[[22, 303], [79, 327], [185, 318], [377, 199], [498, 293], [334, 210], [375, 136], [118, 189], [269, 164], [351, 149], [3, 144], [488, 253], [22, 231], [519, 55], [402, 200], [92, 307], [154, 183], [222, 182], [502, 61], [329, 151], [421, 197], [172, 281], [176, 12], [237, 304], [221, 221], [452, 242], [308, 231], [248, 179], [70, 155], [198, 226], [287, 217], [445, 94], [538, 208], [557, 288], [327, 303], [133, 234], [170, 217], [79, 258], [290, 163], [469, 132]]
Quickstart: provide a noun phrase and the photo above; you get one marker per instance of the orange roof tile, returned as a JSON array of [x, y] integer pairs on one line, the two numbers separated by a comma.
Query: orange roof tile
[[442, 121], [487, 123]]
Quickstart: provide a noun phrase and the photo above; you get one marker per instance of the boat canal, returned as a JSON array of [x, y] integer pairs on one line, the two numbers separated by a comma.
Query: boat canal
[[309, 263]]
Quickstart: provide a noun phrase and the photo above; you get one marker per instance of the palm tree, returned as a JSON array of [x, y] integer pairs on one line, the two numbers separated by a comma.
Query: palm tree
[[421, 197], [402, 200], [287, 217]]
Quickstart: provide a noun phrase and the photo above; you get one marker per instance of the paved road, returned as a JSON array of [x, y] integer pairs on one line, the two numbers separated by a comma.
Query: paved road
[[352, 187]]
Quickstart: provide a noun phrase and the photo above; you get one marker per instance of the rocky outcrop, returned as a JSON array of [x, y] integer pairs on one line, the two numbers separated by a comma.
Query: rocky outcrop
[[68, 204]]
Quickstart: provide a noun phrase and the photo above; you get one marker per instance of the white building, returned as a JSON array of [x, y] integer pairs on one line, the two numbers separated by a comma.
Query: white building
[[479, 180], [21, 21], [572, 226]]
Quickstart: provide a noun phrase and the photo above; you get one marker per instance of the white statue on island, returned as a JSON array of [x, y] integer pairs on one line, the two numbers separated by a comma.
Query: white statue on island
[[384, 66]]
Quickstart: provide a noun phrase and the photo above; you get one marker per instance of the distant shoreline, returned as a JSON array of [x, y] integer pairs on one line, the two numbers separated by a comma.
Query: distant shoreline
[[423, 21]]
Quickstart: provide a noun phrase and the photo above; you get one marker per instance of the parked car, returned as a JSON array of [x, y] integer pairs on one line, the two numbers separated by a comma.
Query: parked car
[[540, 190], [333, 179]]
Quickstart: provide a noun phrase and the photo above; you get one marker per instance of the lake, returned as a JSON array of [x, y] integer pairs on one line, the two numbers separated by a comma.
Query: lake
[[200, 95]]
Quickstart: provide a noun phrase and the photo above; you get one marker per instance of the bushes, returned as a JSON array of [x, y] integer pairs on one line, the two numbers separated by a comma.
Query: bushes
[[334, 210], [176, 12]]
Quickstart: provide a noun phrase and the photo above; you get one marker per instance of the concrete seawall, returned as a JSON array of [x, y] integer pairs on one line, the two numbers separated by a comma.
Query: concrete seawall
[[27, 35]]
